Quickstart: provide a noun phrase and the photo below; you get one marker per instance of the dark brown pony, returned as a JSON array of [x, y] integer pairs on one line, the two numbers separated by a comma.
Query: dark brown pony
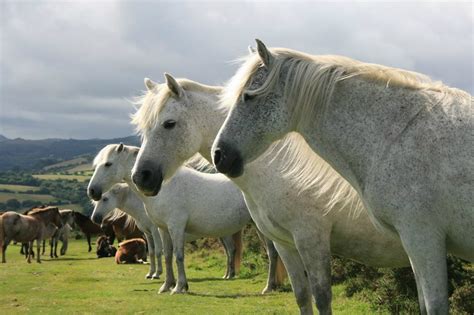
[[104, 248], [27, 228], [131, 251], [89, 228]]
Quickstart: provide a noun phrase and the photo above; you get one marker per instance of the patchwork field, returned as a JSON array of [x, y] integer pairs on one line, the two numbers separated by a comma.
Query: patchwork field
[[80, 283], [19, 188], [21, 197], [80, 178]]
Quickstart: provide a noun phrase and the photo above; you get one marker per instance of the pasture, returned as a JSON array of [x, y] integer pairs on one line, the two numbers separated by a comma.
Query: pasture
[[19, 188], [79, 178], [81, 283], [22, 197]]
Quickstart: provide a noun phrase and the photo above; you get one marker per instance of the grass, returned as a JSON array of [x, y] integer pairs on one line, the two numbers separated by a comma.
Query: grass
[[18, 188], [80, 178], [79, 283], [21, 197], [87, 167]]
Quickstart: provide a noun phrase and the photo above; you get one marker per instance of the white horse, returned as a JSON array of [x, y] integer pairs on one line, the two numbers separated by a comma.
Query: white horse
[[403, 142], [190, 206], [306, 226], [116, 198]]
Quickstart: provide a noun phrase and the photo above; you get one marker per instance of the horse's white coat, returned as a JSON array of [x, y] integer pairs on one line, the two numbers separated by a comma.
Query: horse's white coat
[[190, 206], [403, 142], [299, 223]]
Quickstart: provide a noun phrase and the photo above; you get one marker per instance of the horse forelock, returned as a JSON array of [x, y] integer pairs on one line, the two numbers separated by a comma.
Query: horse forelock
[[151, 103], [310, 173], [310, 79]]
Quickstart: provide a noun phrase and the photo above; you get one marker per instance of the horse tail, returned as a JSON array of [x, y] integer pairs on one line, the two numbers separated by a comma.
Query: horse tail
[[280, 272], [237, 238], [2, 233]]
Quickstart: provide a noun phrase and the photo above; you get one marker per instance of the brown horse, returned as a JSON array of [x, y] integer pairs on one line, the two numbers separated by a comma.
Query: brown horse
[[89, 228], [124, 226], [131, 251], [27, 228], [104, 248]]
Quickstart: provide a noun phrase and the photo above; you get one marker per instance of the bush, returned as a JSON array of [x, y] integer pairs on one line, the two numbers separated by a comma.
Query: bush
[[13, 204]]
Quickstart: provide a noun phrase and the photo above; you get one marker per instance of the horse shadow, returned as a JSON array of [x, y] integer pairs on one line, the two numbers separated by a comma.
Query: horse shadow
[[225, 296]]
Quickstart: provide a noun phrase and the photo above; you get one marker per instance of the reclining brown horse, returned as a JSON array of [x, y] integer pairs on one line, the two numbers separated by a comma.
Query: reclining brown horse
[[131, 251], [27, 228]]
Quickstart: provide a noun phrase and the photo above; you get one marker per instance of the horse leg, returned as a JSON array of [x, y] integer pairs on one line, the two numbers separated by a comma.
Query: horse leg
[[51, 245], [168, 252], [44, 247], [6, 241], [151, 252], [231, 250], [177, 237], [158, 247], [89, 242], [299, 281], [56, 241], [64, 246], [272, 264], [38, 249], [226, 275], [426, 248], [315, 252], [421, 299]]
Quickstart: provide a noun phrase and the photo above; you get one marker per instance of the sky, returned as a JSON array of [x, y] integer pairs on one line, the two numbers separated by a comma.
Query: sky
[[70, 69]]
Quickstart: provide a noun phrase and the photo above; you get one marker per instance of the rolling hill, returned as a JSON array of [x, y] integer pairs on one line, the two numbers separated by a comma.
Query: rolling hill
[[33, 155]]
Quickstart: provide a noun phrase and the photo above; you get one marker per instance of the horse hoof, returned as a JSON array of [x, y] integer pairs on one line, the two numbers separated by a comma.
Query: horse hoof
[[155, 276], [165, 288], [267, 290], [148, 276]]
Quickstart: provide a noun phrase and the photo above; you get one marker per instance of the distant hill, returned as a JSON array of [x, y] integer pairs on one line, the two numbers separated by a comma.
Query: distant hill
[[35, 154]]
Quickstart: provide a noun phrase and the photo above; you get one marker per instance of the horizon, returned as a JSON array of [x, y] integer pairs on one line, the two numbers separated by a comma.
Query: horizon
[[72, 74]]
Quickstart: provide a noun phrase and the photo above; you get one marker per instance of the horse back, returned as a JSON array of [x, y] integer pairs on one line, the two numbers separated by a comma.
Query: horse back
[[21, 228]]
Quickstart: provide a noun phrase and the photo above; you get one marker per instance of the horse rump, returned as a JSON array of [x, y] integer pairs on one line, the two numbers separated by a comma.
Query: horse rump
[[131, 251]]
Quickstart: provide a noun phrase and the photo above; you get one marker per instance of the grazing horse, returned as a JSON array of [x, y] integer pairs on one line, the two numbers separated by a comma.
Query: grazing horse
[[118, 199], [104, 248], [401, 140], [131, 251], [193, 205], [89, 228], [305, 225], [27, 228]]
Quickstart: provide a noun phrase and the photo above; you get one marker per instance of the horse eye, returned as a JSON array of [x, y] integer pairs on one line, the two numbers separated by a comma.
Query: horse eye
[[169, 124], [108, 164], [246, 97], [105, 199]]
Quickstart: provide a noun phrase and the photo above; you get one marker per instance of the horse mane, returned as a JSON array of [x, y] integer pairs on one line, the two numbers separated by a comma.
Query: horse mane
[[35, 211], [150, 103], [132, 240], [310, 80], [117, 215], [308, 172]]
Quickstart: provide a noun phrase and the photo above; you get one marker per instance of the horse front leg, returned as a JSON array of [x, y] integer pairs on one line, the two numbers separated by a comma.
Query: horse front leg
[[315, 252], [151, 252], [426, 248], [177, 237], [168, 252], [272, 264], [89, 242], [158, 246], [299, 281], [4, 249]]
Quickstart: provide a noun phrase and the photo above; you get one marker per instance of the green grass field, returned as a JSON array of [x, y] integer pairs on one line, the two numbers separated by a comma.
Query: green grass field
[[78, 283], [21, 197], [19, 188], [80, 178]]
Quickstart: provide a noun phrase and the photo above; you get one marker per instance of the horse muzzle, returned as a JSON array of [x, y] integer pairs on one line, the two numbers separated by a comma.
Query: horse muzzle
[[148, 179], [228, 160], [95, 193]]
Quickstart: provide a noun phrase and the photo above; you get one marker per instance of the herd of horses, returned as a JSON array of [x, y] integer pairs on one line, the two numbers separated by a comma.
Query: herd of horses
[[324, 154]]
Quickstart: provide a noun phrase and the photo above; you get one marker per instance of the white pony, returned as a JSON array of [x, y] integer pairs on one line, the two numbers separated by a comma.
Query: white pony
[[403, 142], [118, 198], [306, 226], [190, 206]]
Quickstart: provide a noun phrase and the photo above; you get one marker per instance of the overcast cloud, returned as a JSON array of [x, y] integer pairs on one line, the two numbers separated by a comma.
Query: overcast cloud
[[67, 69]]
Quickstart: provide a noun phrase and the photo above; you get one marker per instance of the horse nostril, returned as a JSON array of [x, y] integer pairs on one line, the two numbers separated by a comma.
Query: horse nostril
[[217, 156], [91, 191], [146, 175]]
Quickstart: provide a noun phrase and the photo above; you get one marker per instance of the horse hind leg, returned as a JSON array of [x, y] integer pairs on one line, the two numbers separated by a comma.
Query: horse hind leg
[[89, 242], [38, 249], [151, 252], [231, 251], [227, 271], [272, 266]]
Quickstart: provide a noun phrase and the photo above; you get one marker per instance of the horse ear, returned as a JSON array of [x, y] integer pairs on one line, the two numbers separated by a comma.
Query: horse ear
[[264, 53], [173, 85], [150, 84], [120, 147], [251, 50]]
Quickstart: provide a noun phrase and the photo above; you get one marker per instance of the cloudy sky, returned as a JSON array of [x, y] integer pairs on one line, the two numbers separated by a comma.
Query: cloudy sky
[[68, 69]]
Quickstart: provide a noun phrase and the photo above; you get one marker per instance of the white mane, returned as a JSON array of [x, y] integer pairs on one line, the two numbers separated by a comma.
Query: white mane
[[308, 172], [151, 103], [310, 79]]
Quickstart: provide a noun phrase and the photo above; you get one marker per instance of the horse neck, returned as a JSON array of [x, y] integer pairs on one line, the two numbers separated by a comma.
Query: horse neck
[[360, 122], [44, 216], [211, 118], [132, 204]]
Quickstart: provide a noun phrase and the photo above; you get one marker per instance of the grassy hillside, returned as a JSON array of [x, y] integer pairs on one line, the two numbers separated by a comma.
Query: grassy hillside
[[19, 188], [80, 283]]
